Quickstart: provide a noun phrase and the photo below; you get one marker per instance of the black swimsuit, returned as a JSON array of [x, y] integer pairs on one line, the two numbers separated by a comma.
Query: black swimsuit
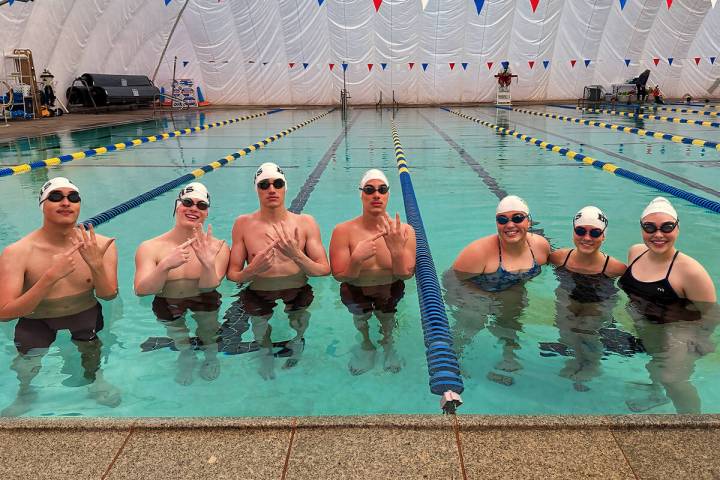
[[586, 287], [657, 300]]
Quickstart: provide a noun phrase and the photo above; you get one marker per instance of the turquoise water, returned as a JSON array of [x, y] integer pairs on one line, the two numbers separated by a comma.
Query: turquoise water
[[457, 207]]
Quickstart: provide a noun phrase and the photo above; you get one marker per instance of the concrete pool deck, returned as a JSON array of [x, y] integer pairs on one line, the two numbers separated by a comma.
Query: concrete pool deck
[[364, 447]]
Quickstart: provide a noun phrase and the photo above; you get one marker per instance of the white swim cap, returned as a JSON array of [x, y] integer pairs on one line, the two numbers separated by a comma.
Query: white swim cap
[[592, 216], [269, 171], [512, 203], [55, 184], [373, 174], [659, 205], [195, 190]]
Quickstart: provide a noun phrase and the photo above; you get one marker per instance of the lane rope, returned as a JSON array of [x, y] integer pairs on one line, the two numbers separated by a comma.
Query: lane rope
[[711, 205], [113, 212], [93, 152], [632, 130], [701, 123], [443, 365]]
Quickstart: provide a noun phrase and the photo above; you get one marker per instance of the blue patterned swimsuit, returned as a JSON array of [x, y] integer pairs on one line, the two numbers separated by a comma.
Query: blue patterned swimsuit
[[502, 279]]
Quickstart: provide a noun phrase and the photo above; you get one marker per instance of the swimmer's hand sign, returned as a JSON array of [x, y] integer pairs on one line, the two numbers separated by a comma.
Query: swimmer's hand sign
[[396, 237], [287, 243], [178, 256], [206, 247], [88, 246], [63, 264], [366, 249], [264, 260]]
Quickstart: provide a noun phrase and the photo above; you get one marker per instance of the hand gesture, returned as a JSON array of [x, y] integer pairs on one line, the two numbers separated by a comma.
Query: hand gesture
[[88, 247], [287, 243], [396, 237], [179, 255], [366, 249], [63, 264], [264, 260], [206, 247]]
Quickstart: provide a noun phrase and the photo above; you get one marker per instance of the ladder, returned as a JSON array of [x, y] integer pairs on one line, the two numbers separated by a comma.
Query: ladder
[[23, 75]]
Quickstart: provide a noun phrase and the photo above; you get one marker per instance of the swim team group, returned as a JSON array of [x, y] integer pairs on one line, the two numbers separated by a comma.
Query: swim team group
[[52, 278]]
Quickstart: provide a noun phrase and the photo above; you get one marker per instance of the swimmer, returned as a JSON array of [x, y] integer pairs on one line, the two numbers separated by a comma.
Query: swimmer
[[51, 280], [274, 251], [586, 294], [182, 268], [671, 297], [495, 264], [372, 255]]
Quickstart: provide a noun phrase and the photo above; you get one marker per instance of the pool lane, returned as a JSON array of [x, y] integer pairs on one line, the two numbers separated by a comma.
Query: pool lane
[[692, 163], [646, 116]]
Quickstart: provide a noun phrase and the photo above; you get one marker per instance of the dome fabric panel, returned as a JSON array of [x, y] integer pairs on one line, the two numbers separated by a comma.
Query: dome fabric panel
[[239, 52]]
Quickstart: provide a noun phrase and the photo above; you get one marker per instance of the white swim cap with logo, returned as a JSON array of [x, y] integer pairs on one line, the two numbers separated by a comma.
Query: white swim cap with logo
[[269, 171], [55, 184], [659, 205], [196, 191], [512, 203], [591, 216], [373, 174]]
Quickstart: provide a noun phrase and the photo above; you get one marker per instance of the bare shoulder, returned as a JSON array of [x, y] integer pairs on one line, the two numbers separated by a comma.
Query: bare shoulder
[[305, 219], [18, 250], [689, 266], [558, 256], [635, 251], [474, 254], [538, 241], [615, 267]]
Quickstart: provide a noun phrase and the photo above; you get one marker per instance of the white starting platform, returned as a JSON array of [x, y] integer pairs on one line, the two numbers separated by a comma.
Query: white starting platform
[[503, 96]]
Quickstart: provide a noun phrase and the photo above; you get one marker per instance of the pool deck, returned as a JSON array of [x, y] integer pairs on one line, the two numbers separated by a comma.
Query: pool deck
[[371, 447]]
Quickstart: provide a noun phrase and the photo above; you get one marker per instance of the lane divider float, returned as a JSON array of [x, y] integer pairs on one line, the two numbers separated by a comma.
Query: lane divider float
[[707, 113], [93, 152], [702, 123], [711, 205], [189, 177], [611, 126], [443, 365]]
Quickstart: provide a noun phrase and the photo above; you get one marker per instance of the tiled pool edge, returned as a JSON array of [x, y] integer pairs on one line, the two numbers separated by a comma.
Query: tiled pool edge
[[420, 422]]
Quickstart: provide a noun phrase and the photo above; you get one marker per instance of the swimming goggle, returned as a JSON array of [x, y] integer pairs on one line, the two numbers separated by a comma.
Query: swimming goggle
[[187, 202], [278, 183], [369, 189], [55, 197], [594, 232], [517, 218], [666, 227]]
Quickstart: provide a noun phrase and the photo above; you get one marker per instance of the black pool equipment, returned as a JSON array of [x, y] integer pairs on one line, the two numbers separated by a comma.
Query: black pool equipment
[[103, 90]]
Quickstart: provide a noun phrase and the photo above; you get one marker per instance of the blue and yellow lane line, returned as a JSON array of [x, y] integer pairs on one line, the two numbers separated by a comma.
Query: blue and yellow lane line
[[632, 130], [707, 113], [711, 205], [93, 152], [646, 116], [194, 175], [443, 365]]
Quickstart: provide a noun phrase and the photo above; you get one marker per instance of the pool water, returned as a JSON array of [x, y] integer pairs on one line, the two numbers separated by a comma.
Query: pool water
[[444, 152]]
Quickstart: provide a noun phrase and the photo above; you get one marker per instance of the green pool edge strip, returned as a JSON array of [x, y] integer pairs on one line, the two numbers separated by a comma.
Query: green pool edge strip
[[647, 116], [93, 152], [443, 366], [711, 205], [631, 130], [113, 212]]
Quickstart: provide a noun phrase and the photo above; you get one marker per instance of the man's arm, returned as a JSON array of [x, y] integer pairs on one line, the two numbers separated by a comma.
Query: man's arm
[[261, 262], [105, 278], [13, 302], [403, 263], [151, 274], [313, 261], [209, 280]]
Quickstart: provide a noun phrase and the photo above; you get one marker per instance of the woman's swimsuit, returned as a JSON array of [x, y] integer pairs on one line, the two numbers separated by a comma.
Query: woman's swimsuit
[[657, 300], [586, 287], [502, 279]]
